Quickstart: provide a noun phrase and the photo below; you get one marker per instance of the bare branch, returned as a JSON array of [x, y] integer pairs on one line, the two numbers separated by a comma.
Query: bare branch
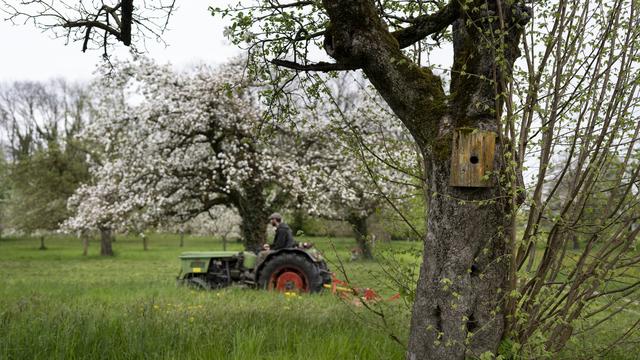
[[320, 66], [426, 25]]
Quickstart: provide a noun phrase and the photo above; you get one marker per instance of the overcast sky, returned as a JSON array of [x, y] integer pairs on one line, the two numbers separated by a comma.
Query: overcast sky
[[194, 36]]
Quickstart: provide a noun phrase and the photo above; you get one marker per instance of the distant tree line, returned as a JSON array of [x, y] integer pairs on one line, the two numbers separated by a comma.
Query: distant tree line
[[43, 161]]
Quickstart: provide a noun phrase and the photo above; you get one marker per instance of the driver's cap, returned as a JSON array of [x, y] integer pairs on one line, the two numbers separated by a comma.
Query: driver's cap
[[276, 216]]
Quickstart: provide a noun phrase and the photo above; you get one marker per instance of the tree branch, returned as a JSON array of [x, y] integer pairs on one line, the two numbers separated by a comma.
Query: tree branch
[[290, 5], [320, 66], [90, 24], [426, 25]]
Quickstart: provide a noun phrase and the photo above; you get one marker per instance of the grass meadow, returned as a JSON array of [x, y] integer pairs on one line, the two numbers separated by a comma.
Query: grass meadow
[[58, 304]]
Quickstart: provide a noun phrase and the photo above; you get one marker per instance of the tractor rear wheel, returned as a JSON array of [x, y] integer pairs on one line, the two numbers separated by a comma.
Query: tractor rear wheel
[[290, 273]]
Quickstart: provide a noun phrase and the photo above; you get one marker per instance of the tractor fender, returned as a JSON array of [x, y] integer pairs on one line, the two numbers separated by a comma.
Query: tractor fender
[[261, 262]]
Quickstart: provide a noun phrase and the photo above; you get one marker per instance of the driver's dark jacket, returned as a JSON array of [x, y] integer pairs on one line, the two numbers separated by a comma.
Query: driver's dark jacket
[[283, 238]]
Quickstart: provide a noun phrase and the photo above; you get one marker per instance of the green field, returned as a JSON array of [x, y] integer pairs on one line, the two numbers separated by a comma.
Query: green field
[[57, 304]]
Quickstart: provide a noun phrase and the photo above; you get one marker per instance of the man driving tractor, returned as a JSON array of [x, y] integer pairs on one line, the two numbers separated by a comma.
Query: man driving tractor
[[281, 266], [284, 237]]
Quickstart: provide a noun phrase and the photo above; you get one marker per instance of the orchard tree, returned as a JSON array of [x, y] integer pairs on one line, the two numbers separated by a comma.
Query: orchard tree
[[371, 162], [459, 309], [192, 143], [574, 92]]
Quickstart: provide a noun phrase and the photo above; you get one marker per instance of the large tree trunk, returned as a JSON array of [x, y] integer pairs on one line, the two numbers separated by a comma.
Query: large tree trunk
[[42, 247], [459, 309], [254, 226], [106, 238], [251, 206], [361, 232]]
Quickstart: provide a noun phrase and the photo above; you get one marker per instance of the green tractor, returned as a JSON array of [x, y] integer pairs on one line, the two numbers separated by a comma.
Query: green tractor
[[300, 269]]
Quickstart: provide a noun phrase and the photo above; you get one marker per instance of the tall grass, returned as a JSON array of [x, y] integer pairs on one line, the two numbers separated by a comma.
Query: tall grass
[[56, 304]]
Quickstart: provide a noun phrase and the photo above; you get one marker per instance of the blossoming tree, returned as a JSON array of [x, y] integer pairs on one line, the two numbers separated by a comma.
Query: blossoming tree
[[372, 162], [190, 143]]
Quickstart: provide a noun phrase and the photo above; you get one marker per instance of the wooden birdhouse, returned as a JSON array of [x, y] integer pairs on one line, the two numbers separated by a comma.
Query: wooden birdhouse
[[472, 158]]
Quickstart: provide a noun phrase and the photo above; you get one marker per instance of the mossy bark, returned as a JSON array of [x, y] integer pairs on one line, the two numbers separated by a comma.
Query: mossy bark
[[458, 311]]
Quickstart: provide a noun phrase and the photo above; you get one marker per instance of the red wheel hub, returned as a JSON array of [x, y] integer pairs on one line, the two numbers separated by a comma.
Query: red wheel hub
[[288, 281]]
